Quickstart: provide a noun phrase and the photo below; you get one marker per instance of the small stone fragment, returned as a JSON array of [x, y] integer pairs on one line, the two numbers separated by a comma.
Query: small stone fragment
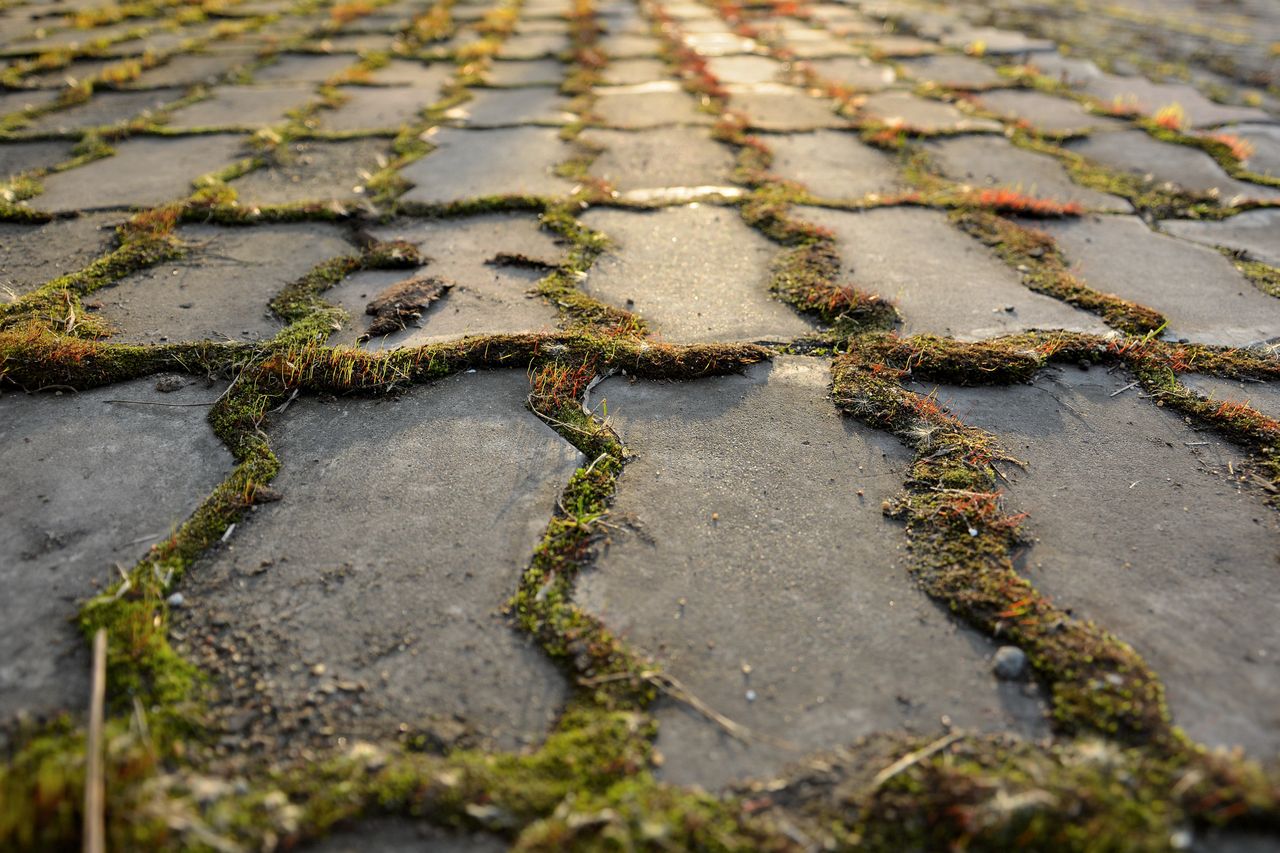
[[1009, 663]]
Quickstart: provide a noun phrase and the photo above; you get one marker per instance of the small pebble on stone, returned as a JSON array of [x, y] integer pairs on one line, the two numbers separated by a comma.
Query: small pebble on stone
[[1010, 663]]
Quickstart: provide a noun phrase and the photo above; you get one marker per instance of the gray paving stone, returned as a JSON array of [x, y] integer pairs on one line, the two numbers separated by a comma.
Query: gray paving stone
[[360, 43], [834, 164], [302, 68], [632, 72], [1138, 527], [508, 108], [629, 46], [746, 69], [954, 288], [992, 161], [143, 172], [898, 46], [55, 78], [1202, 294], [1073, 71], [104, 108], [1137, 153], [695, 273], [474, 163], [765, 559], [996, 42], [1265, 139], [31, 255], [659, 157], [1148, 97], [910, 111], [221, 288], [249, 107], [70, 39], [819, 46], [378, 108], [1256, 233], [723, 43], [18, 157], [647, 105], [403, 72], [398, 835], [315, 171], [533, 46], [485, 299], [860, 74], [534, 72], [92, 484], [773, 106], [959, 72], [397, 585], [16, 102], [1046, 113], [1264, 397], [194, 68]]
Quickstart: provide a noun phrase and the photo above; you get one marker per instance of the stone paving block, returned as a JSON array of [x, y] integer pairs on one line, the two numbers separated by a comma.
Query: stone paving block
[[746, 69], [1046, 113], [541, 26], [630, 46], [31, 255], [315, 171], [104, 108], [19, 157], [695, 273], [647, 105], [249, 107], [834, 164], [1139, 527], [821, 46], [143, 172], [71, 40], [221, 288], [534, 72], [92, 484], [898, 46], [302, 68], [486, 298], [722, 43], [773, 106], [380, 108], [474, 163], [403, 72], [1263, 397], [398, 835], [508, 108], [394, 588], [996, 42], [360, 43], [1256, 233], [992, 161], [1137, 153], [1148, 97], [955, 288], [533, 46], [907, 110], [860, 73], [1076, 72], [631, 72], [17, 102], [192, 69], [1205, 298], [959, 72], [76, 71], [769, 582], [659, 157], [1265, 139]]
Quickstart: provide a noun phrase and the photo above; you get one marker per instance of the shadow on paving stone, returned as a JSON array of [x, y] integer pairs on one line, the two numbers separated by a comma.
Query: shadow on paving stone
[[1204, 296], [18, 157], [696, 273], [31, 255], [486, 298], [474, 163], [143, 172], [754, 561], [955, 288], [89, 485], [400, 835], [834, 164], [222, 287], [368, 597], [104, 108], [1256, 233], [314, 171], [987, 161], [659, 158], [1137, 153], [1138, 526]]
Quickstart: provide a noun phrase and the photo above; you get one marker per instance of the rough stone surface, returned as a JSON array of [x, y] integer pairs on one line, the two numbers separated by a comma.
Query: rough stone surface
[[859, 73], [18, 157], [832, 164], [740, 536], [90, 484], [1256, 233], [221, 289], [314, 171], [397, 585], [1045, 112], [695, 273], [496, 108], [143, 171], [248, 107], [959, 72], [986, 162], [30, 255], [778, 107], [905, 109], [659, 157], [387, 108], [1205, 298], [651, 105], [103, 109], [956, 288], [536, 72], [473, 163], [1116, 490]]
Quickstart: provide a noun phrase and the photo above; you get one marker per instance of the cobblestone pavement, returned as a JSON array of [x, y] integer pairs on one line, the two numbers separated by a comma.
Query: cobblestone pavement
[[665, 425]]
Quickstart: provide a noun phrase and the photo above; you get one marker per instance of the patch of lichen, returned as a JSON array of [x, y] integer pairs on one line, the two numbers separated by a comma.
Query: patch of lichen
[[1035, 255]]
